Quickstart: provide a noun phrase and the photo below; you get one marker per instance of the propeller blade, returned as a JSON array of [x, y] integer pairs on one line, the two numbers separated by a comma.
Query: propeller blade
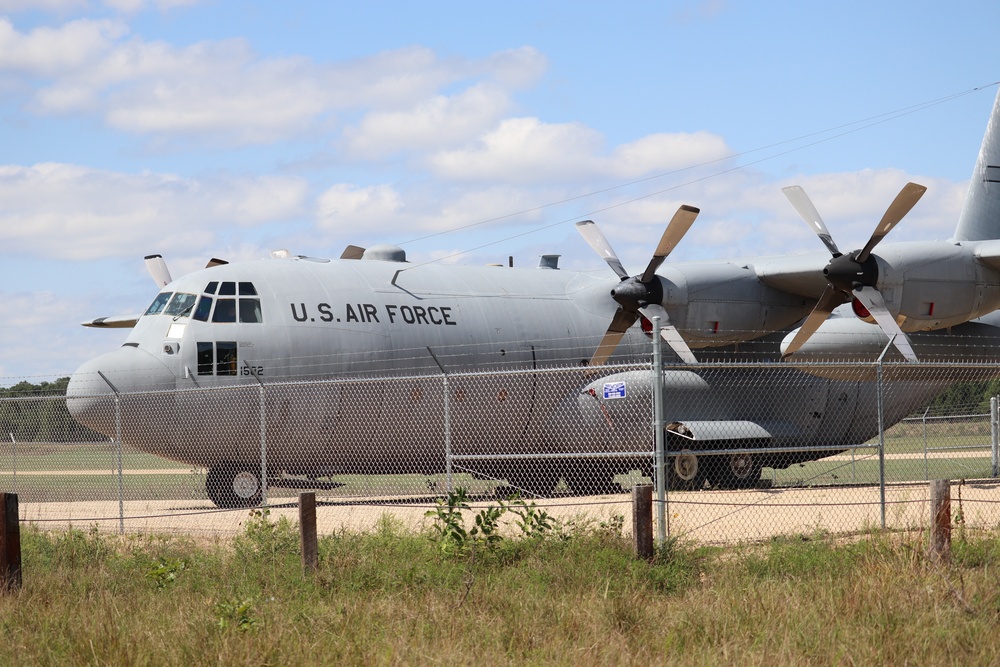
[[672, 235], [900, 206], [619, 325], [158, 269], [592, 234], [873, 301], [804, 207], [352, 252], [669, 333], [831, 298]]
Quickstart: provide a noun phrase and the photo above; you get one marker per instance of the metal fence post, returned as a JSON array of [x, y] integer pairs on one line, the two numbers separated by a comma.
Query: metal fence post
[[927, 473], [447, 432], [661, 487], [118, 443], [263, 446], [446, 387], [995, 435], [881, 430], [13, 443], [263, 433]]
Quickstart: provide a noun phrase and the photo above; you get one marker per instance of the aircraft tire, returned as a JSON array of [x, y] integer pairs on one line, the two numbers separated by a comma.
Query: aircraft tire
[[735, 471], [230, 485], [685, 472]]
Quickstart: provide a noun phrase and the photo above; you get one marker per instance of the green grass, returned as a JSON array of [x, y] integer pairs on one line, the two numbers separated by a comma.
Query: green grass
[[573, 595], [866, 471], [78, 456]]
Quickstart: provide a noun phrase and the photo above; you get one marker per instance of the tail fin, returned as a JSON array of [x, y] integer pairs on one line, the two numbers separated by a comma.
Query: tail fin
[[980, 219]]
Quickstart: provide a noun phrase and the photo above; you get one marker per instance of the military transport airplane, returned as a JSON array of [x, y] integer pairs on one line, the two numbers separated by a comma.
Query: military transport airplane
[[370, 314]]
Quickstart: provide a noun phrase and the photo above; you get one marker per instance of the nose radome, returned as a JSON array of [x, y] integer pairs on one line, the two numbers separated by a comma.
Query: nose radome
[[128, 368]]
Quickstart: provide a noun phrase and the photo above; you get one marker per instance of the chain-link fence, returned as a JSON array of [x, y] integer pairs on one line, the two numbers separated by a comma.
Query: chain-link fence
[[749, 450]]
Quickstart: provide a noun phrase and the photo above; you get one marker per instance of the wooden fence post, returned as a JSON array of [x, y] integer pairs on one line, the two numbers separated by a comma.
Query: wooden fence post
[[642, 520], [10, 545], [307, 528], [940, 543]]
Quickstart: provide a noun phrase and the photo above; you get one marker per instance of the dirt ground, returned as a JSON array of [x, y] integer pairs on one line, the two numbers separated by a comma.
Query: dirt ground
[[711, 517]]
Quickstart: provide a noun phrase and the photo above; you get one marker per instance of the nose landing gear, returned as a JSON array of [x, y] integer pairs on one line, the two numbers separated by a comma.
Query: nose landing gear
[[232, 485]]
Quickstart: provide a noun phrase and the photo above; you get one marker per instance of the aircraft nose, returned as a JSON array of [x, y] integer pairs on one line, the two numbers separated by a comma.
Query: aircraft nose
[[89, 397]]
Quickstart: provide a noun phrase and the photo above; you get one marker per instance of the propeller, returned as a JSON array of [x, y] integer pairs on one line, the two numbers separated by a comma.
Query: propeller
[[641, 294], [854, 275], [157, 268], [352, 252]]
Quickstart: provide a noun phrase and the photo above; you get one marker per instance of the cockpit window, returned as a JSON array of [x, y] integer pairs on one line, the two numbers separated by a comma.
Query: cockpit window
[[225, 310], [203, 309], [244, 306], [181, 304], [250, 310], [159, 302]]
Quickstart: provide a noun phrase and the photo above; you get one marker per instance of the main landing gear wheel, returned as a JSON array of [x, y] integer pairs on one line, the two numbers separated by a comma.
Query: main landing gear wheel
[[685, 472], [231, 485], [736, 471]]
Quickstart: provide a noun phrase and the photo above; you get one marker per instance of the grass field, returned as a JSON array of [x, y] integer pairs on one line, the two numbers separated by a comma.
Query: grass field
[[568, 594]]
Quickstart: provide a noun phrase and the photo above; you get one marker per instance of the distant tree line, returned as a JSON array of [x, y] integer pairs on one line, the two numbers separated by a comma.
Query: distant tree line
[[966, 396], [37, 413]]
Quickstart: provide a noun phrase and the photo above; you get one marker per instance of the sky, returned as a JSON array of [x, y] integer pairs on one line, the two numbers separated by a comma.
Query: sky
[[464, 132]]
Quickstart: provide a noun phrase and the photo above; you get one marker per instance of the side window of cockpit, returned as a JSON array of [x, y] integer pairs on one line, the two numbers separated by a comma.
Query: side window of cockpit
[[225, 358], [217, 358], [206, 358], [159, 303]]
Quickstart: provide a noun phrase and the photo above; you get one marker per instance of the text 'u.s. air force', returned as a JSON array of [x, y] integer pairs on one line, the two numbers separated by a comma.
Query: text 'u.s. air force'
[[369, 312]]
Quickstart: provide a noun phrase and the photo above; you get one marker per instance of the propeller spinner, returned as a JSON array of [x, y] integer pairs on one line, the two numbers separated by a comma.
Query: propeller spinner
[[641, 294], [854, 275]]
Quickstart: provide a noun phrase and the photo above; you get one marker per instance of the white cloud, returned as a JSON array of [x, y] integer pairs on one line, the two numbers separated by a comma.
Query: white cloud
[[60, 7], [226, 93], [53, 6], [57, 51], [524, 150], [72, 212], [517, 68], [661, 152], [345, 207], [135, 6], [432, 123]]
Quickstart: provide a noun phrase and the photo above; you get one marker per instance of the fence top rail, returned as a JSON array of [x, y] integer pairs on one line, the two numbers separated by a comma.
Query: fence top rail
[[947, 417], [32, 398]]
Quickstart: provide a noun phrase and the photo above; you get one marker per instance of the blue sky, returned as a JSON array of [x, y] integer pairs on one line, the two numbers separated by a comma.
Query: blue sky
[[465, 132]]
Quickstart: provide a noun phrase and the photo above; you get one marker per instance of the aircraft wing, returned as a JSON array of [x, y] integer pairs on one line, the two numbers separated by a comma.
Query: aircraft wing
[[795, 274], [113, 322]]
